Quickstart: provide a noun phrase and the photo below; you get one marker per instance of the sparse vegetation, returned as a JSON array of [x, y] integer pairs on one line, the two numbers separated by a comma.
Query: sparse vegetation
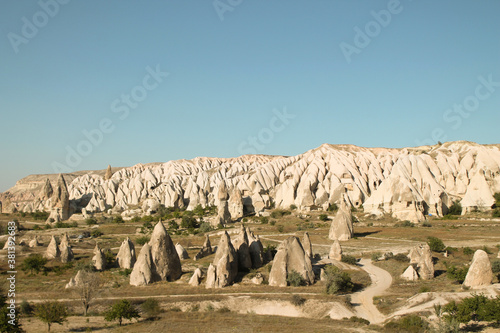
[[436, 244], [348, 259], [142, 240], [455, 208], [474, 308], [35, 263], [323, 217], [151, 307], [294, 279], [337, 281], [298, 300], [410, 324], [122, 309]]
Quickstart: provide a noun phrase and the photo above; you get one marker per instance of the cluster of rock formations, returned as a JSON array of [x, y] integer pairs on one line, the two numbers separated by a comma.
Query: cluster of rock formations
[[421, 257], [291, 256], [158, 260], [407, 183]]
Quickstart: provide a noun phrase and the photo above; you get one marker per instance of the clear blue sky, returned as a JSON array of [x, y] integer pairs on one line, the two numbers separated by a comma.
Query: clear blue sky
[[227, 76]]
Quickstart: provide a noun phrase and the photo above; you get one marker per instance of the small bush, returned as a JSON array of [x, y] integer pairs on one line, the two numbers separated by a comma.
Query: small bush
[[118, 219], [273, 222], [355, 319], [401, 257], [293, 207], [142, 240], [457, 274], [411, 324], [264, 220], [297, 300], [323, 217], [294, 279], [485, 249], [90, 221], [376, 255], [455, 208], [205, 227], [495, 266], [468, 251], [337, 280], [281, 229], [332, 207], [224, 309], [436, 244], [151, 307], [276, 214], [426, 224], [96, 233], [424, 289], [495, 212], [26, 308], [348, 259]]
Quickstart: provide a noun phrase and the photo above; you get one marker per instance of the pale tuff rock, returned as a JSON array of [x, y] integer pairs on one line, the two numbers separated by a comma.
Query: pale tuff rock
[[142, 273], [205, 250], [225, 264], [74, 281], [480, 273], [235, 205], [258, 279], [108, 173], [290, 257], [46, 191], [407, 183], [242, 249], [166, 262], [498, 255], [181, 251], [126, 255], [211, 277], [196, 278], [59, 209], [422, 256], [410, 274], [341, 227], [256, 249], [306, 243], [66, 253], [99, 259], [52, 250], [335, 251], [223, 215], [34, 242]]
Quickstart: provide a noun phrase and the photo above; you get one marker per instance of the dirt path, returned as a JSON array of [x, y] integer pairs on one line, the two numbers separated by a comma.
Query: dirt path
[[363, 300]]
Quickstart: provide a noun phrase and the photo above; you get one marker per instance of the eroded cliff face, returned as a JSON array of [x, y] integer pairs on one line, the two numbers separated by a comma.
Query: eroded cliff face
[[408, 183]]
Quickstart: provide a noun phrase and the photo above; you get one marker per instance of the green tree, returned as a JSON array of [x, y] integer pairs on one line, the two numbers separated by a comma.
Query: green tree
[[198, 210], [455, 208], [121, 309], [294, 279], [337, 280], [476, 308], [7, 322], [436, 244], [51, 312], [34, 263]]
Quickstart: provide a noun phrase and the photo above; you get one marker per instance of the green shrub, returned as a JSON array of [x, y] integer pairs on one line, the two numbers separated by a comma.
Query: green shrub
[[26, 308], [348, 259], [151, 307], [273, 222], [121, 309], [90, 221], [455, 208], [411, 324], [426, 224], [476, 308], [281, 229], [264, 220], [355, 319], [142, 240], [294, 279], [189, 222], [495, 212], [457, 274], [485, 249], [495, 266], [276, 214], [401, 257], [96, 233], [323, 217], [435, 244], [468, 251], [332, 207], [376, 255], [198, 210], [205, 227], [35, 263], [337, 280], [297, 300], [293, 207]]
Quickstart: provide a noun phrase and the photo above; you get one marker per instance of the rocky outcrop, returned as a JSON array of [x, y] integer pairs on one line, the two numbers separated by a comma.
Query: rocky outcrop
[[410, 274], [66, 253], [480, 273], [109, 173], [407, 183], [99, 259], [223, 215], [335, 251], [53, 251], [165, 261], [34, 242], [196, 278], [206, 249], [256, 249], [235, 205], [306, 243], [341, 227], [241, 245], [126, 255], [422, 256], [59, 205], [74, 281], [142, 273], [290, 257], [181, 251], [225, 265]]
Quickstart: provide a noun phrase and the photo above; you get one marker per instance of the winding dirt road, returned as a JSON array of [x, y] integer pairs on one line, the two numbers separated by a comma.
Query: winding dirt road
[[363, 300]]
